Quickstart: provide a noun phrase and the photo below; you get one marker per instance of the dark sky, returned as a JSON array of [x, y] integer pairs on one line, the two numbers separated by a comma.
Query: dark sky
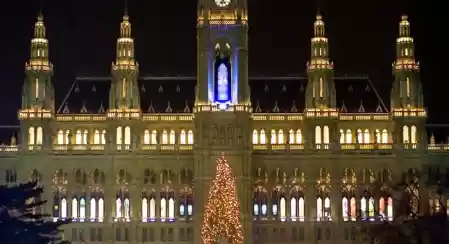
[[362, 36]]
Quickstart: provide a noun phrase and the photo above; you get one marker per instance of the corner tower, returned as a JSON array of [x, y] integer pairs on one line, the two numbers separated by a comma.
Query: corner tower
[[407, 102], [38, 92], [124, 93], [222, 58]]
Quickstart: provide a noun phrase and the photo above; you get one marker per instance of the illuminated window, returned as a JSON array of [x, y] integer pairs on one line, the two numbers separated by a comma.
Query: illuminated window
[[363, 208], [413, 134], [182, 137], [263, 137], [298, 136], [64, 208], [319, 208], [85, 137], [390, 208], [190, 137], [78, 138], [146, 137], [348, 136], [321, 85], [39, 136], [74, 208], [100, 210], [407, 81], [172, 137], [326, 134], [163, 208], [118, 208], [366, 137], [127, 208], [384, 136], [97, 137], [255, 137], [301, 209], [164, 137], [127, 135], [154, 137], [406, 51], [152, 208], [60, 139], [93, 209], [378, 136], [144, 210], [67, 141], [273, 137], [342, 136], [291, 137], [327, 208], [171, 208], [36, 88], [281, 137], [345, 208], [359, 136], [119, 136], [82, 209], [317, 135], [353, 209], [371, 208], [293, 208], [405, 134], [283, 209], [323, 209]]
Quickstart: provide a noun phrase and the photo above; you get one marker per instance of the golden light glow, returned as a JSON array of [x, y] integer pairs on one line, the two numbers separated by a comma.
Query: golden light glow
[[222, 214]]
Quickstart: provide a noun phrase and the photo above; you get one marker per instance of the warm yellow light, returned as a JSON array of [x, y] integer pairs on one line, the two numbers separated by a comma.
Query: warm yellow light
[[222, 214]]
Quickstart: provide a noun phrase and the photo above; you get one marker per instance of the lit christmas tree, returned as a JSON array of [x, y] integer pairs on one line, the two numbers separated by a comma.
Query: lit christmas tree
[[222, 215]]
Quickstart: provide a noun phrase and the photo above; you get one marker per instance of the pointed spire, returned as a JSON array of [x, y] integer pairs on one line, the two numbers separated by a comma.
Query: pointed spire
[[83, 108], [258, 109], [379, 108], [101, 109], [294, 109], [186, 108], [276, 107], [361, 108], [319, 28], [168, 109], [151, 108], [432, 140], [66, 109], [343, 108]]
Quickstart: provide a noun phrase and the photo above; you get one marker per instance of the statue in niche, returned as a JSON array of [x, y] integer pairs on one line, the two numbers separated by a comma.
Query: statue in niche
[[222, 83]]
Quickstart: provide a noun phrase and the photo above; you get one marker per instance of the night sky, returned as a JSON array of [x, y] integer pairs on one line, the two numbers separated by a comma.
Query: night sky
[[362, 36]]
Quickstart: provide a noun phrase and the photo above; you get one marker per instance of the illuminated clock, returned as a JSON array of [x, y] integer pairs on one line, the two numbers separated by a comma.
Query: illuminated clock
[[222, 3]]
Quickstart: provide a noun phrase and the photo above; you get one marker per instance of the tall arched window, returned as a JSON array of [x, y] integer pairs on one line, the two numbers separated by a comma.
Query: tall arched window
[[263, 137], [118, 208], [318, 135], [152, 208], [60, 140], [384, 136], [93, 209], [363, 208], [291, 137], [64, 208], [327, 208], [390, 209], [163, 208], [78, 137], [326, 134], [273, 137], [82, 209], [85, 137], [172, 137], [301, 209], [281, 139], [144, 209], [182, 137], [378, 136], [342, 136], [103, 137], [366, 137], [293, 208], [298, 136], [127, 209], [97, 137], [190, 137], [127, 135], [31, 134], [405, 134], [255, 137], [348, 136], [74, 208], [345, 208], [146, 137], [39, 135], [164, 137], [119, 136], [319, 209], [412, 134], [100, 210], [359, 136], [67, 139], [283, 209], [171, 208], [154, 137]]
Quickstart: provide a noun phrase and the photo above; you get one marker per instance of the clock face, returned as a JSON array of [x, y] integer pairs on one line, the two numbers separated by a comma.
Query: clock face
[[222, 3]]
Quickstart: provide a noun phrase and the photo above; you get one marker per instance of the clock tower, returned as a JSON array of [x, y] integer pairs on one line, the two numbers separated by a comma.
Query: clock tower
[[222, 104]]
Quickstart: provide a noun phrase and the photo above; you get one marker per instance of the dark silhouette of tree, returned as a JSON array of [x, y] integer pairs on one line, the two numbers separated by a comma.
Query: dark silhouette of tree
[[20, 220], [412, 223]]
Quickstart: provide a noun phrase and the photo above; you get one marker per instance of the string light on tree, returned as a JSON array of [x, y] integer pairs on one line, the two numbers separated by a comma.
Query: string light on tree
[[222, 214]]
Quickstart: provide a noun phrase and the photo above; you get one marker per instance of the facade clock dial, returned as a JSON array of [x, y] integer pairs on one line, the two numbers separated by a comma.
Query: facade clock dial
[[222, 3]]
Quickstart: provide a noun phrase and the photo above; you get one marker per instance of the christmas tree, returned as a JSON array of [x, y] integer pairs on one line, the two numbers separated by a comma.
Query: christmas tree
[[222, 214]]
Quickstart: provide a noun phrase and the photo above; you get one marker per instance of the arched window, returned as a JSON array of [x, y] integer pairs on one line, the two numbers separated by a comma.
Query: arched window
[[371, 208], [293, 208], [348, 136], [291, 137], [363, 208], [301, 209], [144, 210], [60, 140], [82, 209], [172, 137], [390, 209], [100, 210], [327, 208], [378, 136], [78, 137], [85, 137], [182, 137], [342, 136], [319, 209], [345, 208], [273, 137], [326, 134], [118, 208], [281, 137], [152, 208], [171, 209], [127, 135], [405, 134], [64, 208], [283, 209], [384, 136], [190, 137], [255, 137], [164, 137], [412, 134], [31, 134], [93, 209], [298, 136], [263, 137], [146, 137], [317, 135], [359, 136], [154, 137], [127, 208], [74, 208], [366, 137], [163, 208], [119, 136], [67, 139], [97, 137], [39, 136]]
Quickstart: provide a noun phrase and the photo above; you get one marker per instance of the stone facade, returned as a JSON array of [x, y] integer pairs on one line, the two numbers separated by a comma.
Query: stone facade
[[305, 173]]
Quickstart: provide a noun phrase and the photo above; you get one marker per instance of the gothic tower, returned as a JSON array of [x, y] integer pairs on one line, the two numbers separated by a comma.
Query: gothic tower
[[124, 93], [222, 104], [320, 109], [407, 102]]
